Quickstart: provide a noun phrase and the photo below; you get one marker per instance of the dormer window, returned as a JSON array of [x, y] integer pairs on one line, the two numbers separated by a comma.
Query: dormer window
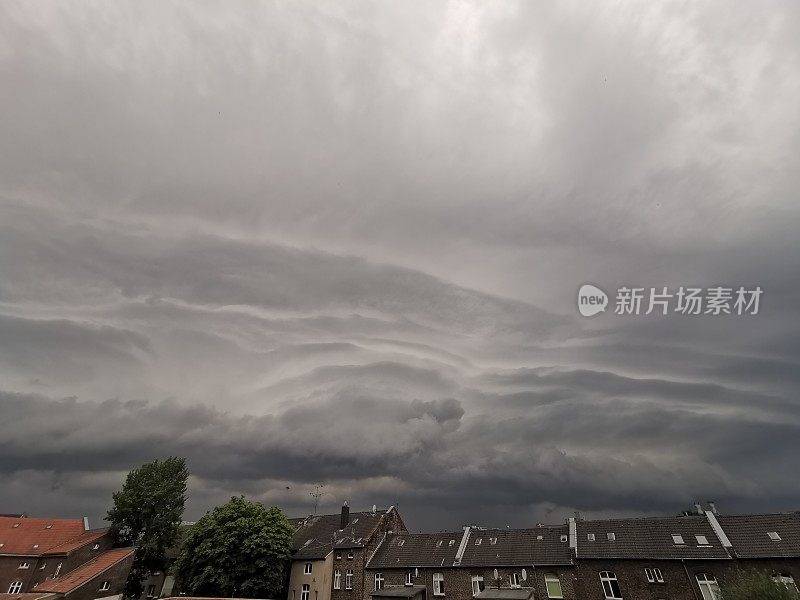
[[677, 539], [773, 535]]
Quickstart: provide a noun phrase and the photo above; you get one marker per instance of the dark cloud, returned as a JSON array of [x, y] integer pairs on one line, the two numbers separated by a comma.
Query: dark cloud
[[341, 243]]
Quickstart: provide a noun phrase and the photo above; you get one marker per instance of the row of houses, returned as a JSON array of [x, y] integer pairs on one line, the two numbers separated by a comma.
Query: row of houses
[[53, 559], [372, 556]]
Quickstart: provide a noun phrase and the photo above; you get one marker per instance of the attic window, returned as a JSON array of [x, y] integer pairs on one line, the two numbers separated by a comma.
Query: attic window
[[702, 540], [451, 542], [677, 539], [539, 537], [590, 537], [439, 544], [478, 541], [773, 535], [563, 538], [401, 542], [611, 536], [492, 541]]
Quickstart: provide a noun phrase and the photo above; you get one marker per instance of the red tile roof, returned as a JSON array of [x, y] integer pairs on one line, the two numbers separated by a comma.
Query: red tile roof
[[33, 537], [86, 537], [85, 573]]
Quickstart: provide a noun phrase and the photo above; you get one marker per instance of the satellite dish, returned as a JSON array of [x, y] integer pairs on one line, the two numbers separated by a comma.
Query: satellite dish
[[496, 574], [416, 572], [524, 575]]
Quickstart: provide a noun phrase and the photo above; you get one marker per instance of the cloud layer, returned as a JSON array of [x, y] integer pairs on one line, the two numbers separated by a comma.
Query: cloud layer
[[306, 243]]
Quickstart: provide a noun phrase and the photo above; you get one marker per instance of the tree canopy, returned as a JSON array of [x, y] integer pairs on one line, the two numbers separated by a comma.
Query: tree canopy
[[241, 549], [758, 585], [147, 513]]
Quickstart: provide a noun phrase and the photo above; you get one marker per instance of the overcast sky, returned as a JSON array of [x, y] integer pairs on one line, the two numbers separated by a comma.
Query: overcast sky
[[301, 242]]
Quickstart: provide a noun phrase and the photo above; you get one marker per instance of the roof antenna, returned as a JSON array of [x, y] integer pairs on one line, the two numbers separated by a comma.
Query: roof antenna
[[317, 494]]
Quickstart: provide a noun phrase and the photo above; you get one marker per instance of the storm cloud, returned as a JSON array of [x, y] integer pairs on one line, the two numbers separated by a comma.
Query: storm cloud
[[313, 243]]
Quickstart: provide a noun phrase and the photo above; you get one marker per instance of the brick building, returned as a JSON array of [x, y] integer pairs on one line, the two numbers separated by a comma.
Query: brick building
[[330, 552], [60, 558]]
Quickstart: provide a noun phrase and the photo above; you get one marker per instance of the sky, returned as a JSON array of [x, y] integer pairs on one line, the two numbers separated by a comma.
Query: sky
[[306, 243]]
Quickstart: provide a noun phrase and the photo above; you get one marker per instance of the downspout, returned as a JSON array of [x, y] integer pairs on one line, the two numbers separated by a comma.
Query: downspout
[[689, 579]]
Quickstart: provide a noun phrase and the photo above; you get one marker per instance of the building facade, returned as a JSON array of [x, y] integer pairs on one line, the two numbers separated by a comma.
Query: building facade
[[60, 557]]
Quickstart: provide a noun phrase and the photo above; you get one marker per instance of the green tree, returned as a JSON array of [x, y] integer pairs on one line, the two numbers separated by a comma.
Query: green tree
[[757, 585], [147, 512], [238, 549]]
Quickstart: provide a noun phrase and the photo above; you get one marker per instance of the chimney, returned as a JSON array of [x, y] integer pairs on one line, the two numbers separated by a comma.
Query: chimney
[[345, 516], [713, 507], [698, 508]]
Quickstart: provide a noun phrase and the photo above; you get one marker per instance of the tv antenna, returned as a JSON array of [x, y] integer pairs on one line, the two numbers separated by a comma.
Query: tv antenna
[[317, 494]]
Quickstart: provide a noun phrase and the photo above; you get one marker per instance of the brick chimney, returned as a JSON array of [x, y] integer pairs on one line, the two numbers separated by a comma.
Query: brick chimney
[[345, 516]]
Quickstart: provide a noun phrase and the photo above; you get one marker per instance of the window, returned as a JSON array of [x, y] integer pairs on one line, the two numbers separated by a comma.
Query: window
[[553, 585], [15, 587], [659, 577], [106, 586], [610, 585], [151, 591], [451, 542], [337, 580], [492, 541], [701, 540], [401, 543], [478, 541], [24, 565], [677, 539], [338, 556], [773, 535], [590, 537], [348, 579], [611, 536], [438, 584], [96, 547], [48, 526], [708, 586], [439, 544], [410, 578], [305, 592], [350, 555], [42, 566], [514, 581], [563, 538], [58, 570], [378, 581], [651, 578], [308, 568], [786, 580], [477, 584]]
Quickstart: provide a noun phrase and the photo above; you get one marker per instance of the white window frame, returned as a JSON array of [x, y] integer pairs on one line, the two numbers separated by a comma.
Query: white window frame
[[677, 539], [659, 575], [24, 565], [590, 537], [648, 572], [338, 556], [15, 587], [477, 584], [308, 568], [350, 555], [515, 581], [708, 585], [379, 581], [410, 578], [106, 586], [348, 579], [702, 540], [305, 592], [611, 536], [438, 584], [337, 579], [552, 578], [607, 581]]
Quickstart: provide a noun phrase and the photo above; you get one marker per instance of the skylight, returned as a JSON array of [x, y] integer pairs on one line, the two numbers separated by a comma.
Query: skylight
[[773, 535], [677, 539]]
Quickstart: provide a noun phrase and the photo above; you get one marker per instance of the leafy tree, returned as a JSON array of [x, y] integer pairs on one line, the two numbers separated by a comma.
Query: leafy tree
[[238, 549], [757, 585], [147, 512]]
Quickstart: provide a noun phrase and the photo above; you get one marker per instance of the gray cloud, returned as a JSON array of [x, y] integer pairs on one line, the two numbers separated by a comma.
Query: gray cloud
[[341, 243]]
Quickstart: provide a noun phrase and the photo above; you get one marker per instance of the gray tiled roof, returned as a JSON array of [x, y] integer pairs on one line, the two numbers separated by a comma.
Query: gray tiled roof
[[316, 536], [417, 550], [749, 534], [517, 547], [649, 537]]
